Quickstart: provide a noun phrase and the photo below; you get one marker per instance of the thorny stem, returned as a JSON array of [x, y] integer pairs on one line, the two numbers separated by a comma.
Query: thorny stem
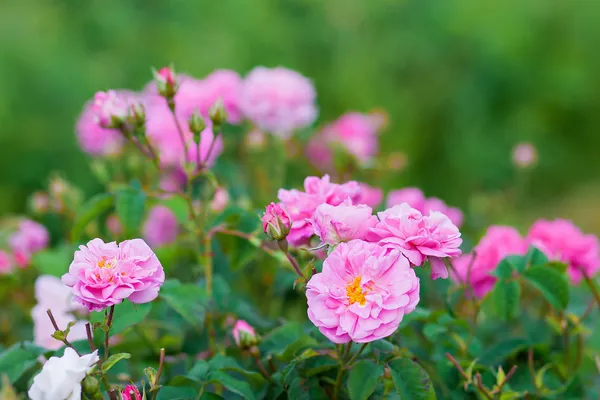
[[477, 381], [506, 379], [155, 384], [260, 366], [340, 374], [481, 387], [358, 353], [90, 338], [57, 329], [294, 263]]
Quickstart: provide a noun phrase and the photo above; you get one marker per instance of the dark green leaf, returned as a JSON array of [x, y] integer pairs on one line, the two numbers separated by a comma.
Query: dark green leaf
[[93, 208], [305, 389], [232, 384], [126, 315], [17, 359], [199, 370], [363, 379], [535, 257], [112, 360], [518, 263], [497, 353], [411, 380], [504, 270], [130, 204], [551, 283], [506, 296], [177, 393], [278, 339], [188, 300]]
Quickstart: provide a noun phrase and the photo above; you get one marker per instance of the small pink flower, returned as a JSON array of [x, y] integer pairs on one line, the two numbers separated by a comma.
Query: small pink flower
[[417, 200], [220, 200], [40, 202], [278, 100], [342, 223], [161, 227], [104, 274], [418, 237], [497, 243], [6, 263], [114, 225], [524, 155], [29, 238], [109, 109], [302, 205], [244, 334], [371, 196], [131, 392], [276, 222], [362, 294], [562, 241]]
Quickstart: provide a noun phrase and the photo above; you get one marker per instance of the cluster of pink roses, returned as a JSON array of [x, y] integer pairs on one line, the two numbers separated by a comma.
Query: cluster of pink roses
[[560, 240], [367, 283], [29, 238]]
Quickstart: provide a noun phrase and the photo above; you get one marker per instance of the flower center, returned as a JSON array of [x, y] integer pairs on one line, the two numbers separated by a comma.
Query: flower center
[[104, 263], [355, 293]]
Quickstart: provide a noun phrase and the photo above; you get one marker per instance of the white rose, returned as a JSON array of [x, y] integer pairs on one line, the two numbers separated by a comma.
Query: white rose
[[60, 378]]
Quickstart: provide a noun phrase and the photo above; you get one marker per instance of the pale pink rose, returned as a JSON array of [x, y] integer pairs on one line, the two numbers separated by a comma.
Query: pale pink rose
[[110, 108], [220, 200], [353, 131], [244, 334], [524, 155], [6, 263], [497, 243], [302, 205], [276, 222], [417, 200], [371, 196], [104, 274], [131, 392], [417, 236], [29, 238], [562, 241], [161, 227], [362, 294], [278, 100], [342, 223]]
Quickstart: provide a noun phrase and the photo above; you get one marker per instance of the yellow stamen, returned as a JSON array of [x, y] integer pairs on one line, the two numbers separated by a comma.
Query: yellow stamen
[[355, 293]]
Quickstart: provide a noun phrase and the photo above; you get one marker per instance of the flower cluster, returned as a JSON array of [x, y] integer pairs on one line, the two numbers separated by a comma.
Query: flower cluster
[[416, 199], [560, 240], [29, 238], [104, 274]]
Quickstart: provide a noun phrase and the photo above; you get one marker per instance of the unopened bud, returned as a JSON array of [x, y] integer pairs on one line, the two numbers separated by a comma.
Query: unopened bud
[[276, 222], [197, 125], [166, 82], [90, 385], [244, 335], [137, 114], [131, 392], [217, 113]]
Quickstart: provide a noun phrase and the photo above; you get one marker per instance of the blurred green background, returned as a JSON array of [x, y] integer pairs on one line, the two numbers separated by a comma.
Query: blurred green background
[[462, 80]]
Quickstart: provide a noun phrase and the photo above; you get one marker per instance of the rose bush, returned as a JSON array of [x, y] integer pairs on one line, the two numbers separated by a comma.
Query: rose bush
[[191, 277]]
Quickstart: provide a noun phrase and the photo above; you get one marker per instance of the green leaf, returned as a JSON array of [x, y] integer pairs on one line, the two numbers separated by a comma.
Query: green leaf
[[506, 299], [278, 339], [126, 315], [535, 257], [305, 389], [560, 267], [93, 208], [130, 203], [53, 262], [112, 360], [177, 393], [551, 283], [411, 380], [504, 270], [17, 359], [232, 384], [188, 300], [199, 370], [497, 353], [518, 263], [363, 379]]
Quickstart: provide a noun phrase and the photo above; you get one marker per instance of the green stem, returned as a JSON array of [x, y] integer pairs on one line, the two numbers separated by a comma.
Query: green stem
[[180, 131], [358, 353], [342, 353], [592, 287]]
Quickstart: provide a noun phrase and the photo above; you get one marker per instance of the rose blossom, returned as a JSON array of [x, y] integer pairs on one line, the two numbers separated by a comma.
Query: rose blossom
[[371, 196], [161, 227], [362, 294], [302, 205], [497, 243], [131, 392], [342, 223], [417, 200], [418, 237], [6, 262], [244, 334], [276, 222], [524, 155], [60, 378], [562, 241], [104, 274], [29, 238], [110, 109], [278, 100]]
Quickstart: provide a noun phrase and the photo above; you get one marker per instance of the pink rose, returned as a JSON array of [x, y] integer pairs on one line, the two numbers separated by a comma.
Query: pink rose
[[418, 237], [371, 196], [342, 223], [276, 222], [131, 392], [362, 294], [417, 200], [110, 109], [244, 334], [220, 200], [104, 274], [497, 243], [6, 263], [302, 205], [161, 227], [562, 241], [29, 238], [278, 100]]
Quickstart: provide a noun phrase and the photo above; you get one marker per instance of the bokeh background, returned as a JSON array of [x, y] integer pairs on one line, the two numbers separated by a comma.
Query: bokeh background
[[463, 81]]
